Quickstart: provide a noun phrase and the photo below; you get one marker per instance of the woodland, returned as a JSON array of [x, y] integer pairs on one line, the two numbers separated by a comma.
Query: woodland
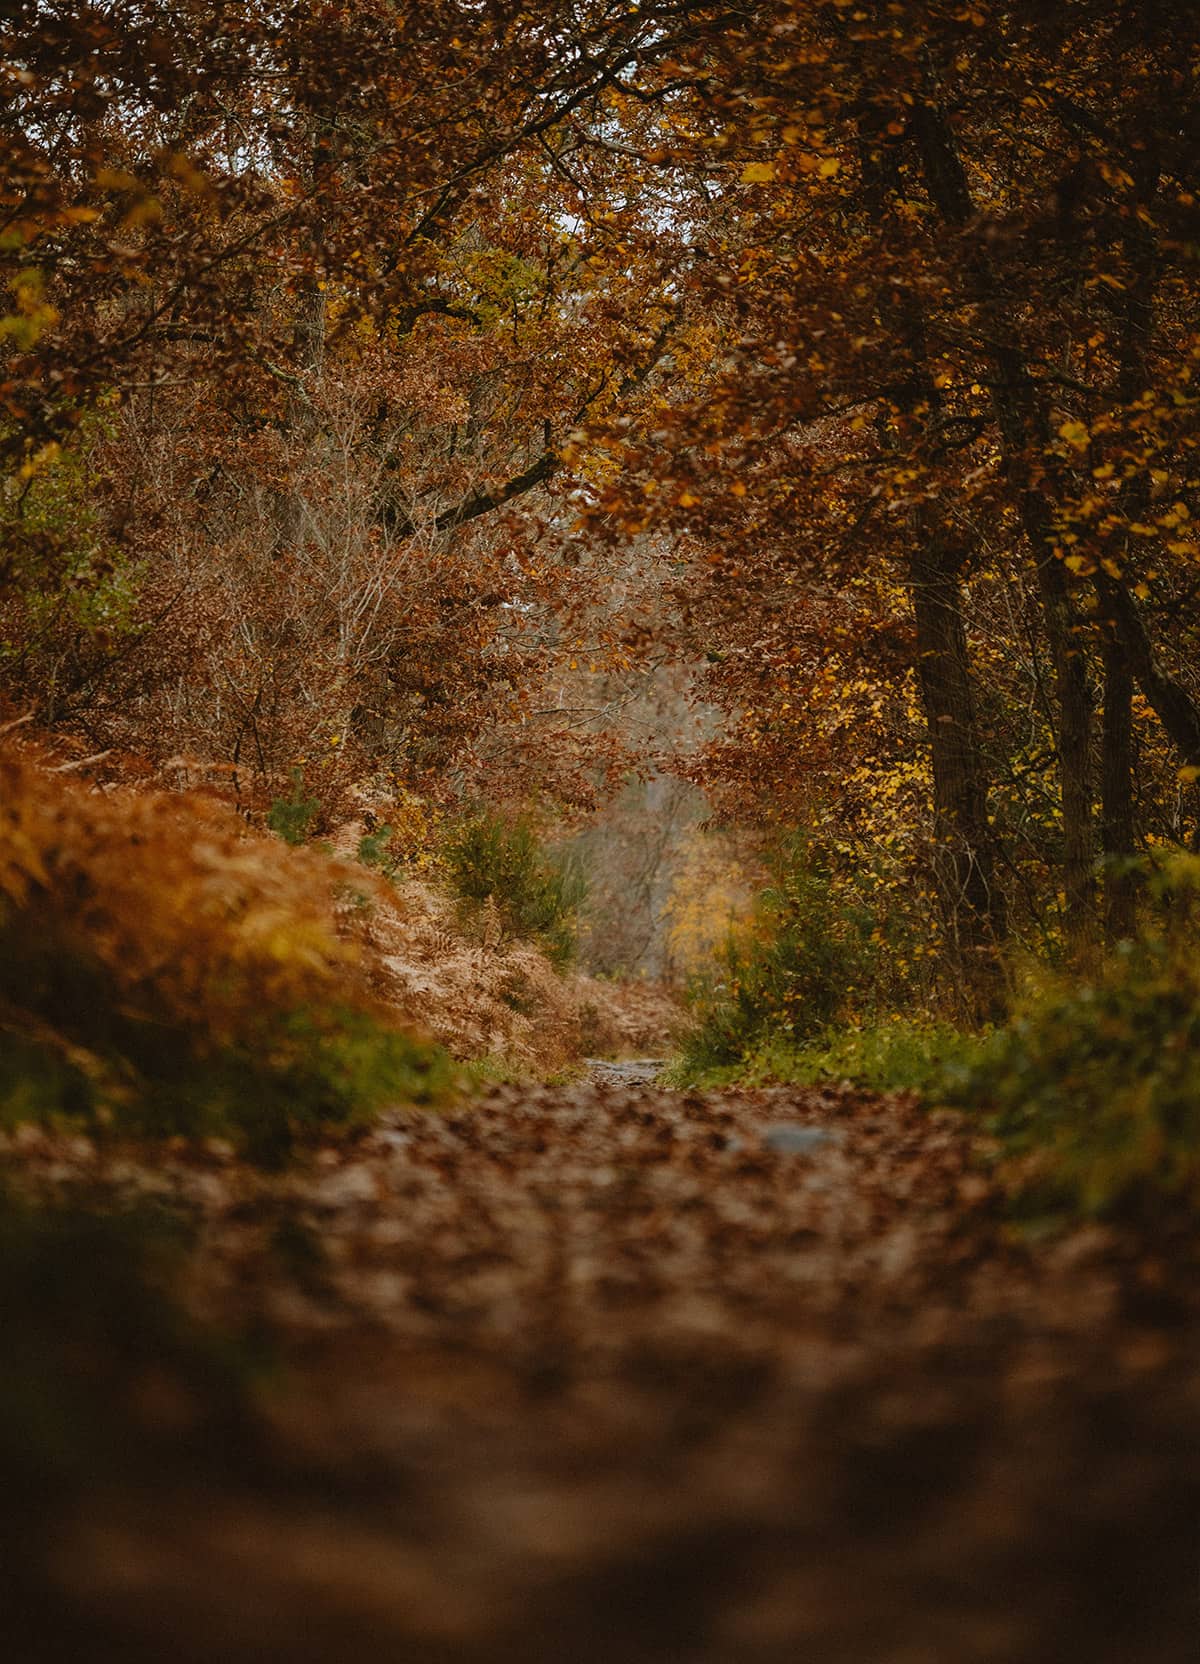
[[599, 830]]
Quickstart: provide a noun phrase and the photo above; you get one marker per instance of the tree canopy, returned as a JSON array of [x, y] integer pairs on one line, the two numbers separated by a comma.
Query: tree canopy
[[383, 385]]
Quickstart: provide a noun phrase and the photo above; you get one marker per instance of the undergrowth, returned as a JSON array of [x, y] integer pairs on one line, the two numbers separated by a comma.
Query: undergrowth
[[897, 1054], [499, 859], [292, 816], [819, 950], [161, 973], [1093, 1086]]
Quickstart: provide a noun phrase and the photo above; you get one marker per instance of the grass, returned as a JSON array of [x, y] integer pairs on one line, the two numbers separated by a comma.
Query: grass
[[895, 1055]]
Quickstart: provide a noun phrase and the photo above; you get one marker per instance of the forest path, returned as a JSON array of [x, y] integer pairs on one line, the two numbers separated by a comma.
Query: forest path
[[626, 1071], [608, 1374]]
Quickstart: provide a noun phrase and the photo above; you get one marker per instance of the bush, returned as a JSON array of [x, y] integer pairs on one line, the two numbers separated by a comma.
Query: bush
[[163, 973], [538, 895], [892, 1056], [68, 601], [374, 850], [1095, 1085], [811, 954], [292, 816]]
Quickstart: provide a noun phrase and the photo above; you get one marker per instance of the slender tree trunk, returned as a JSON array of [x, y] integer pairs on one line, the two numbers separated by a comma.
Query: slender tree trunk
[[1075, 703], [1118, 830], [1131, 656], [1116, 797], [1022, 422], [972, 903], [1169, 699]]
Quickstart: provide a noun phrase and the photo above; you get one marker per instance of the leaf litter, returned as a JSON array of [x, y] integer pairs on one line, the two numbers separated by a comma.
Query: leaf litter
[[604, 1371]]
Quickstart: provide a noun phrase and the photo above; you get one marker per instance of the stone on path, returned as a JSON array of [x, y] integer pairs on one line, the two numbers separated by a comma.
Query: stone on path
[[630, 1071], [790, 1138]]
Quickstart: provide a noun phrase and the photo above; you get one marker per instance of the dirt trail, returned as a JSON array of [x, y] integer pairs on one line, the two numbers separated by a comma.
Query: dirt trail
[[608, 1373]]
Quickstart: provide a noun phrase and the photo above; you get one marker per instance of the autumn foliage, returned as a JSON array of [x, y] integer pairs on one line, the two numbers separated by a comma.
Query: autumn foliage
[[386, 390], [165, 974], [507, 508]]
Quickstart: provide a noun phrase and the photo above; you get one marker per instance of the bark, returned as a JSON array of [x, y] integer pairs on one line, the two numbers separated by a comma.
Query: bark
[[1022, 422], [1075, 704], [1130, 648], [1118, 829], [972, 903], [1116, 797], [1169, 699]]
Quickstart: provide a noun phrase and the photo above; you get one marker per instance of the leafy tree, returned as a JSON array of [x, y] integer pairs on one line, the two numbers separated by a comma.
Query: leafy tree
[[947, 249]]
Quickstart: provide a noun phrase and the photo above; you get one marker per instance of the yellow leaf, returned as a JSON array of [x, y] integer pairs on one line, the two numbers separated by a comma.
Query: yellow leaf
[[686, 500], [738, 489], [1076, 433], [829, 167], [758, 173], [1189, 773]]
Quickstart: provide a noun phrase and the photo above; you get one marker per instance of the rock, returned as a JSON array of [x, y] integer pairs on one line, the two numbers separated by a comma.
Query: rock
[[790, 1138], [629, 1071]]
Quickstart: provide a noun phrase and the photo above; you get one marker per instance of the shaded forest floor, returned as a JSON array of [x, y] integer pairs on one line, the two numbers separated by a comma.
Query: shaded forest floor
[[602, 1372]]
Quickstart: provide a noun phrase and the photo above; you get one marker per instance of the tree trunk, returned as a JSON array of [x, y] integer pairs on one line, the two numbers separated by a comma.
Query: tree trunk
[[1022, 422], [1074, 699], [1169, 699], [1073, 694], [972, 903], [1116, 796]]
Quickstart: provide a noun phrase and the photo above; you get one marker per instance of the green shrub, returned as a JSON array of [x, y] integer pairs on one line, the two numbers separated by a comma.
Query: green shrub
[[287, 1074], [373, 851], [70, 593], [892, 1056], [293, 815], [538, 895], [812, 954], [1095, 1085]]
